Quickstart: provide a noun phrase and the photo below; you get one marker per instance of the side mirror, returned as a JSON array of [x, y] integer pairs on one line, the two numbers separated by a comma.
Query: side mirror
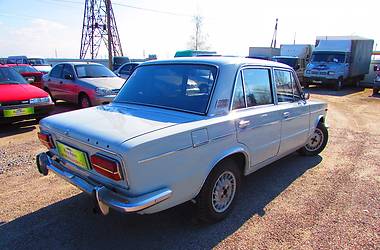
[[30, 80], [69, 77], [375, 68], [297, 67], [118, 74], [306, 96]]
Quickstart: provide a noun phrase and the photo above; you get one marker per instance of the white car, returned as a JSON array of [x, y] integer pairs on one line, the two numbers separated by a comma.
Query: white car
[[183, 130]]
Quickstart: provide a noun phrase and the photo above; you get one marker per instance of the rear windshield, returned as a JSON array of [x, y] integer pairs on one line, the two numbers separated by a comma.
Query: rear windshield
[[184, 87], [93, 71], [22, 69], [10, 76]]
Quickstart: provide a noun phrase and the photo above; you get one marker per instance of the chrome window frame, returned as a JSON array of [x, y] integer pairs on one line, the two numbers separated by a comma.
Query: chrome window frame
[[240, 71], [292, 74]]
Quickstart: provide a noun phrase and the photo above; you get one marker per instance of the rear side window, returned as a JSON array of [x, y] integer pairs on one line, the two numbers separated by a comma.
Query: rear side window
[[257, 87], [287, 90], [57, 71]]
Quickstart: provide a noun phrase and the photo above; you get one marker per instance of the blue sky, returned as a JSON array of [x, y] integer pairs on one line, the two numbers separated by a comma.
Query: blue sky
[[43, 27]]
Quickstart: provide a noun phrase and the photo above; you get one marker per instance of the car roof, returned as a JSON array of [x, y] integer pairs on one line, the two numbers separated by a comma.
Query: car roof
[[219, 61], [18, 64], [80, 63]]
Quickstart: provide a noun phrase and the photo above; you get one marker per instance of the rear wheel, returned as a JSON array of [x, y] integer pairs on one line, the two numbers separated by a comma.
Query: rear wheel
[[219, 192], [317, 142], [84, 101], [375, 91], [339, 84]]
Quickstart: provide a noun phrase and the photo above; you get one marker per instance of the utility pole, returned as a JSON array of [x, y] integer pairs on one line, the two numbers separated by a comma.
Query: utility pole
[[109, 34], [274, 38], [99, 27]]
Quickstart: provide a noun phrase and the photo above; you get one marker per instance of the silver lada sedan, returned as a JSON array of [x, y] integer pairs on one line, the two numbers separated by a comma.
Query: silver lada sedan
[[85, 84], [184, 129]]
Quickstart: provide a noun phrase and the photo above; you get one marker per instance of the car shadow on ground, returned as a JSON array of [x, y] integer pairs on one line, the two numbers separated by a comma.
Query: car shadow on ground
[[325, 90], [17, 128], [70, 223], [32, 124]]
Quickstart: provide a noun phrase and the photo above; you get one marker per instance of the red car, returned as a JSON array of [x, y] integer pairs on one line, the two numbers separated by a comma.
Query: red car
[[20, 100], [31, 75]]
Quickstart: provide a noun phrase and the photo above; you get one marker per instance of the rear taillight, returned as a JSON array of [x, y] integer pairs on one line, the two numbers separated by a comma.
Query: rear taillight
[[106, 166], [46, 140]]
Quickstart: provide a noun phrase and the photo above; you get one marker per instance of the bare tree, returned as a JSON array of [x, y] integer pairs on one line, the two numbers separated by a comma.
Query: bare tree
[[198, 41]]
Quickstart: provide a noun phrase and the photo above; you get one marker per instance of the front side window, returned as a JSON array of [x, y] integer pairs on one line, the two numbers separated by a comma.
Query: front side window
[[126, 69], [56, 71], [174, 86], [287, 87], [257, 87], [68, 70]]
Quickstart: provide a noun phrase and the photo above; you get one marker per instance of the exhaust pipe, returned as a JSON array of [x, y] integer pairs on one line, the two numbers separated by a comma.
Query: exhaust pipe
[[42, 161]]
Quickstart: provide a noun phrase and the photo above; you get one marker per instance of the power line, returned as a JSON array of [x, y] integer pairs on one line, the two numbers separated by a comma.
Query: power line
[[130, 6]]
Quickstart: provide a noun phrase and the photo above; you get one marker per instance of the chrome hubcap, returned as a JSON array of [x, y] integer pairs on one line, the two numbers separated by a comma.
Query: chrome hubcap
[[224, 191], [315, 141]]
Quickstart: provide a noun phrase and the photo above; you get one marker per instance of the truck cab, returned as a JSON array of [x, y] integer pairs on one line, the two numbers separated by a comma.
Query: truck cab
[[328, 67]]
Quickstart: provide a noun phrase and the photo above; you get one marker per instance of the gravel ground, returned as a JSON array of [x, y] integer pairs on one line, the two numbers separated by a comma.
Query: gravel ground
[[331, 201]]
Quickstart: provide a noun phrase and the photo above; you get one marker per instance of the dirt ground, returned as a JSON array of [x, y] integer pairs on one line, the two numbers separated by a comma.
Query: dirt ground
[[331, 201]]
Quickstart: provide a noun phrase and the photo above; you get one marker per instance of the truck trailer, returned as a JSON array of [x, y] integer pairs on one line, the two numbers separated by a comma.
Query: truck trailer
[[339, 60], [296, 56]]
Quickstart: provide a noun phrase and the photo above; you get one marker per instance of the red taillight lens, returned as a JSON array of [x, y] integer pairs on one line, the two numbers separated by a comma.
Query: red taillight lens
[[46, 140], [106, 166]]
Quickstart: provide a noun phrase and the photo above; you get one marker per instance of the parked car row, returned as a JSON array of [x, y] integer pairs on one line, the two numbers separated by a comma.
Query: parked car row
[[20, 100], [84, 84], [178, 130]]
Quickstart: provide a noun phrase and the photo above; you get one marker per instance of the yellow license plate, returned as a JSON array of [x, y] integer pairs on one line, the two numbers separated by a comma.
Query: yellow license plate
[[18, 112], [73, 155]]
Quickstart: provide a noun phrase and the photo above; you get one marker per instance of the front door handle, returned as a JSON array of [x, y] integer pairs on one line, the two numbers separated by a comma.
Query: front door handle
[[286, 114], [244, 123]]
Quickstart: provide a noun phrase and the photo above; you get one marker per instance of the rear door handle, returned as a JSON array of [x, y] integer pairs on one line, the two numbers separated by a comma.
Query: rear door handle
[[286, 114], [244, 123], [60, 82]]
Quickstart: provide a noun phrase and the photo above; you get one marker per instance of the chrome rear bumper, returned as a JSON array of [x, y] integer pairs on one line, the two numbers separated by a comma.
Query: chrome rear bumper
[[105, 198]]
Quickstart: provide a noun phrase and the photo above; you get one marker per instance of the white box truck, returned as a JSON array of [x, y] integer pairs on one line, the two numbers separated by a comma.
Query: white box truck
[[339, 60], [296, 56], [266, 53]]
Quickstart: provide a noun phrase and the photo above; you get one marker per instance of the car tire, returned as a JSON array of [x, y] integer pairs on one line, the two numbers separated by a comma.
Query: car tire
[[317, 141], [375, 91], [84, 101], [48, 91], [212, 205]]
